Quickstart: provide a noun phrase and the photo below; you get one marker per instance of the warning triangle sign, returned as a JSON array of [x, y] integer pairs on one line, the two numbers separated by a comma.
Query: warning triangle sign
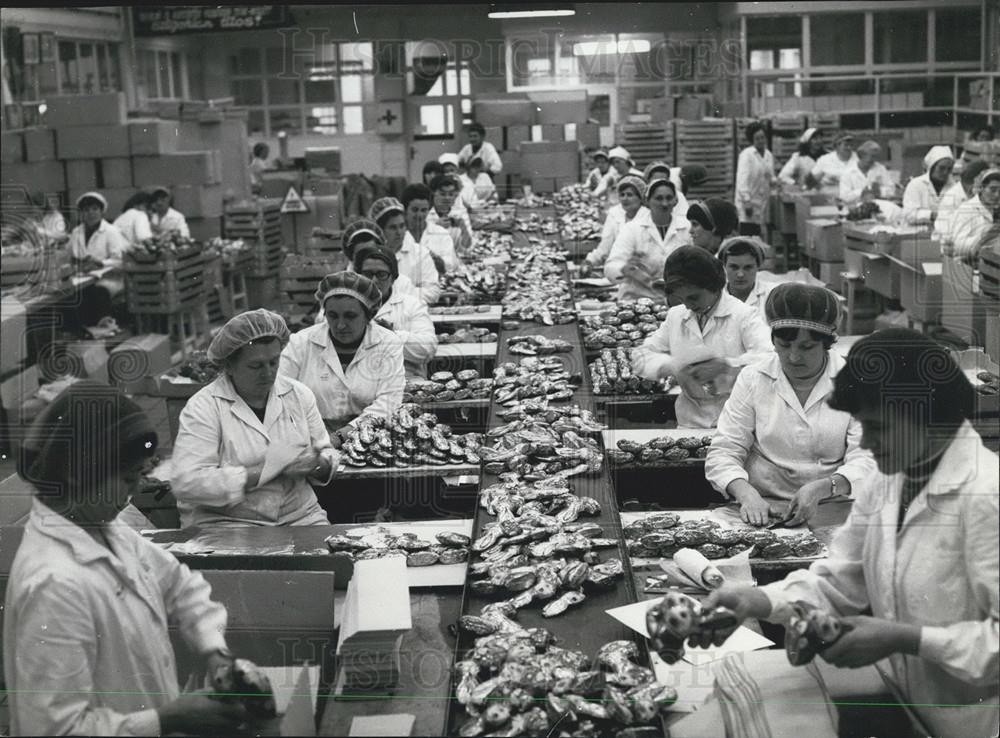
[[293, 202]]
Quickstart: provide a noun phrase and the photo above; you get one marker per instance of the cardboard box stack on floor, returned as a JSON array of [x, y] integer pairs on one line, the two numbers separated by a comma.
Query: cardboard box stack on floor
[[91, 144]]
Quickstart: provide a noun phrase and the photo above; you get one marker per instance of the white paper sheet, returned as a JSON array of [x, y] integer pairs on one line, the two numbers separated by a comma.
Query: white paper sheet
[[379, 725]]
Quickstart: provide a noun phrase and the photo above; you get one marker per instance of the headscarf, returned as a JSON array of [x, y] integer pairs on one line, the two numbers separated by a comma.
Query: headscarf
[[620, 152], [95, 196], [715, 215], [760, 253], [936, 154], [244, 329], [794, 305], [383, 207], [806, 137], [349, 284], [376, 252], [599, 153], [89, 433], [636, 182]]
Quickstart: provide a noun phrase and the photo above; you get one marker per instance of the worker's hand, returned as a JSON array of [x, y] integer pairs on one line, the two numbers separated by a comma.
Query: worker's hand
[[748, 211], [869, 640], [195, 713], [754, 509], [709, 371], [744, 601], [806, 500], [305, 464], [217, 661], [586, 268]]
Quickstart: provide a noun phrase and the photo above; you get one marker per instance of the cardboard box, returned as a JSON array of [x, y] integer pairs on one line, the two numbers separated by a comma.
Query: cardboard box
[[691, 107], [543, 185], [181, 168], [920, 290], [11, 147], [825, 240], [511, 162], [915, 250], [560, 107], [504, 112], [152, 137], [116, 172], [828, 272], [854, 261], [588, 135], [40, 144], [81, 174], [92, 142], [13, 327], [516, 135], [880, 276], [198, 201], [43, 176], [99, 109], [15, 390], [554, 132], [494, 134], [326, 158], [139, 357]]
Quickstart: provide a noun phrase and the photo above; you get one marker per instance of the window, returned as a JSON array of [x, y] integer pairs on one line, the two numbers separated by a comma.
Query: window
[[837, 39], [770, 38], [84, 68], [330, 92], [447, 85], [161, 75], [900, 37], [957, 34]]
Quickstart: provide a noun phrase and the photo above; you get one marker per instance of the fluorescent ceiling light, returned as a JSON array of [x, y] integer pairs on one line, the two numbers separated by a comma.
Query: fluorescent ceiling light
[[553, 13], [593, 48]]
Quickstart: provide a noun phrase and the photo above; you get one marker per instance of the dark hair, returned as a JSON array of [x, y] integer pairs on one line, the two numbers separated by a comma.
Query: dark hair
[[805, 149], [694, 266], [752, 128], [261, 149], [743, 248], [973, 170], [376, 252], [790, 334], [721, 219], [432, 167], [141, 197], [443, 180], [416, 191], [988, 129], [902, 371], [476, 126]]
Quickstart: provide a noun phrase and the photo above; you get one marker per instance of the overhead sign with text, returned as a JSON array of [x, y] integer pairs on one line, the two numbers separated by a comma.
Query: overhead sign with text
[[172, 20]]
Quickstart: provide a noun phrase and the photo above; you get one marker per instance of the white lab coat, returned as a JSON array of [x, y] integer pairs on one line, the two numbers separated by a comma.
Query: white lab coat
[[940, 572], [134, 226], [951, 200], [734, 332], [607, 184], [920, 199], [457, 223], [468, 194], [220, 436], [593, 178], [853, 182], [486, 191], [829, 169], [439, 241], [796, 169], [86, 647], [970, 225], [754, 174], [768, 438], [106, 244], [757, 298], [487, 152], [412, 324], [641, 238], [172, 221], [372, 384], [613, 223], [416, 263]]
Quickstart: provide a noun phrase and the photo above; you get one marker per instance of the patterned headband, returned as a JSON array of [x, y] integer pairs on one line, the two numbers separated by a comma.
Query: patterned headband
[[809, 325]]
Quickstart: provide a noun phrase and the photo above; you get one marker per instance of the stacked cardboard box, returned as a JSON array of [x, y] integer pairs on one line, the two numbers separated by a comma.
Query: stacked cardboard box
[[550, 165]]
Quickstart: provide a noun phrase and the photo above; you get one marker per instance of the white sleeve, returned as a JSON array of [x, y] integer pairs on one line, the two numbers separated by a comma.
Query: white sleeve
[[290, 363], [419, 339], [390, 383], [787, 173], [621, 251], [608, 234], [77, 244], [967, 231], [319, 436], [915, 210], [756, 337], [851, 186], [430, 288], [743, 192], [859, 465], [652, 360], [492, 159], [734, 437], [197, 474]]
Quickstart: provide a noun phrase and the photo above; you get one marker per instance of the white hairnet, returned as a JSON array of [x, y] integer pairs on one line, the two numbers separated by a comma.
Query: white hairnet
[[245, 328], [936, 154]]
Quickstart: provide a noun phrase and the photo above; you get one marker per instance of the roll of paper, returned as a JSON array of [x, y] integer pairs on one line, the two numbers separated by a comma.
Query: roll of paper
[[700, 569]]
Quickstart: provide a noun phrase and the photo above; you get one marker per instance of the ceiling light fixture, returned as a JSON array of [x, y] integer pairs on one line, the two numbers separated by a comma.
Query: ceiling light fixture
[[521, 10]]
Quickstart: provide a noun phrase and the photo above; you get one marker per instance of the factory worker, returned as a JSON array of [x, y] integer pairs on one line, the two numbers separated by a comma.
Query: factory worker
[[86, 645], [466, 187], [919, 550], [704, 341], [690, 175], [631, 193], [867, 178], [952, 200], [975, 217], [431, 170], [482, 183], [352, 364], [415, 260], [250, 442], [621, 164], [602, 165], [405, 315], [779, 447], [258, 165], [743, 256], [644, 243], [798, 169], [164, 218], [754, 175], [365, 232], [712, 221], [479, 148], [95, 244], [830, 167], [134, 220], [445, 213], [53, 222], [416, 200], [662, 170], [922, 196]]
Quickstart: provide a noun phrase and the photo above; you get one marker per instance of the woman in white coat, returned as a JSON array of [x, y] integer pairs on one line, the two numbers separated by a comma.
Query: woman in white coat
[[87, 649], [976, 216], [922, 196], [250, 441], [352, 364], [415, 260], [754, 175], [743, 257], [638, 254], [779, 445], [134, 220], [704, 341], [831, 167], [631, 193], [797, 171], [405, 315], [919, 549]]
